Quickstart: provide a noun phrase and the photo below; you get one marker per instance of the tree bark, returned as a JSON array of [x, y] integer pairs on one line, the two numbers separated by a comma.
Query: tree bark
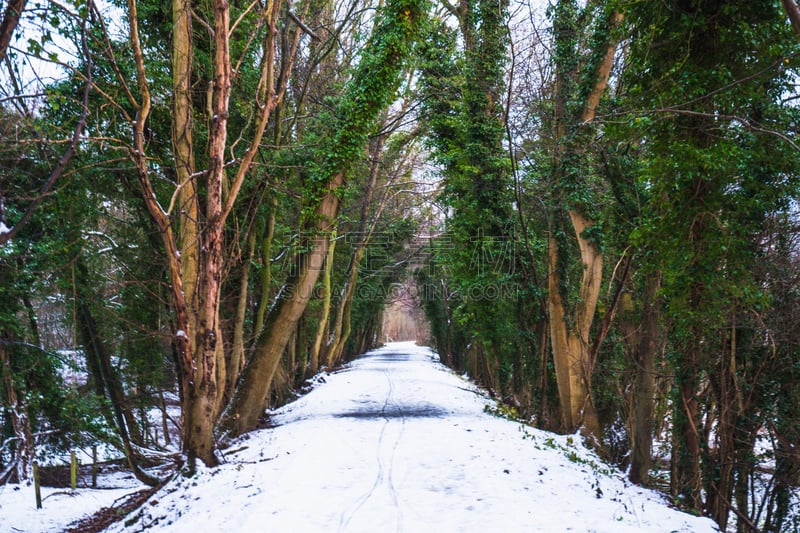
[[188, 215], [265, 279], [209, 365], [235, 359], [342, 325], [324, 319], [686, 481], [20, 423], [644, 358], [250, 397], [571, 344], [11, 16], [793, 12]]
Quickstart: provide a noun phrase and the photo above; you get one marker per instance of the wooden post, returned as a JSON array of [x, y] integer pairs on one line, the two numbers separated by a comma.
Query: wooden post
[[36, 486], [94, 466], [73, 470]]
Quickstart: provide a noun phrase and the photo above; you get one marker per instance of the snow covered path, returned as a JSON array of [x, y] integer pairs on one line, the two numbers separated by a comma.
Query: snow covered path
[[395, 442]]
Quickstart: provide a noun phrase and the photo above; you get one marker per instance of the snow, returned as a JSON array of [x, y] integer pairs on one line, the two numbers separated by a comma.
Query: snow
[[60, 507], [393, 442], [396, 442]]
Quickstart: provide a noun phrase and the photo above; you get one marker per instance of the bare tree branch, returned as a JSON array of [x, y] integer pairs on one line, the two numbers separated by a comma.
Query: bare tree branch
[[303, 27]]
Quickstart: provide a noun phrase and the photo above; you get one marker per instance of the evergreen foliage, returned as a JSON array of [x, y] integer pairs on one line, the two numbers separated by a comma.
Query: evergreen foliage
[[650, 144]]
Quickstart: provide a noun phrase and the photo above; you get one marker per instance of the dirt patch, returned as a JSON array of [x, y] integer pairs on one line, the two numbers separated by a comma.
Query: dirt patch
[[395, 411], [59, 475], [109, 515]]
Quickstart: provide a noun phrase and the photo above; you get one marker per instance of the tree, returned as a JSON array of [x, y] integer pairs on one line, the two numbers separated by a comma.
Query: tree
[[369, 91], [462, 90], [579, 86], [705, 161], [9, 23]]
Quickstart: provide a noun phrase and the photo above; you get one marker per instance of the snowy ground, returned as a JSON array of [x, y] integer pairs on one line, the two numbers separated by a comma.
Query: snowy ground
[[60, 507], [396, 442]]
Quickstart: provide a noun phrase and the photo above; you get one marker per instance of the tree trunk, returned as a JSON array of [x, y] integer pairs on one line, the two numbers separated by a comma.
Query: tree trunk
[[342, 326], [720, 475], [235, 357], [8, 25], [265, 279], [250, 397], [324, 319], [183, 148], [787, 477], [20, 423], [234, 361], [571, 345], [686, 481], [745, 465], [644, 357], [209, 365], [794, 14]]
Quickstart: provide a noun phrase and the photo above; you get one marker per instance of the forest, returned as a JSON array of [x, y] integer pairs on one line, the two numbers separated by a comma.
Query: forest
[[593, 204]]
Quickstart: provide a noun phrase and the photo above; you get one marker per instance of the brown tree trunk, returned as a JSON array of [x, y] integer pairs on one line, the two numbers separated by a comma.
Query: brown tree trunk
[[13, 11], [265, 279], [341, 331], [324, 319], [235, 359], [184, 352], [644, 357], [745, 464], [183, 147], [20, 423], [209, 364], [787, 475], [686, 481], [793, 11], [720, 477], [571, 345]]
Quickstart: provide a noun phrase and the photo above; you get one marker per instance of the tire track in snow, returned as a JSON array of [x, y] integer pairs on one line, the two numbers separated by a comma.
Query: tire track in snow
[[392, 490], [384, 469]]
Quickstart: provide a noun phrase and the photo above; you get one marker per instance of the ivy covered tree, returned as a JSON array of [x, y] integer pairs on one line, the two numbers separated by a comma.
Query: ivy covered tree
[[703, 141], [604, 233], [463, 91]]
